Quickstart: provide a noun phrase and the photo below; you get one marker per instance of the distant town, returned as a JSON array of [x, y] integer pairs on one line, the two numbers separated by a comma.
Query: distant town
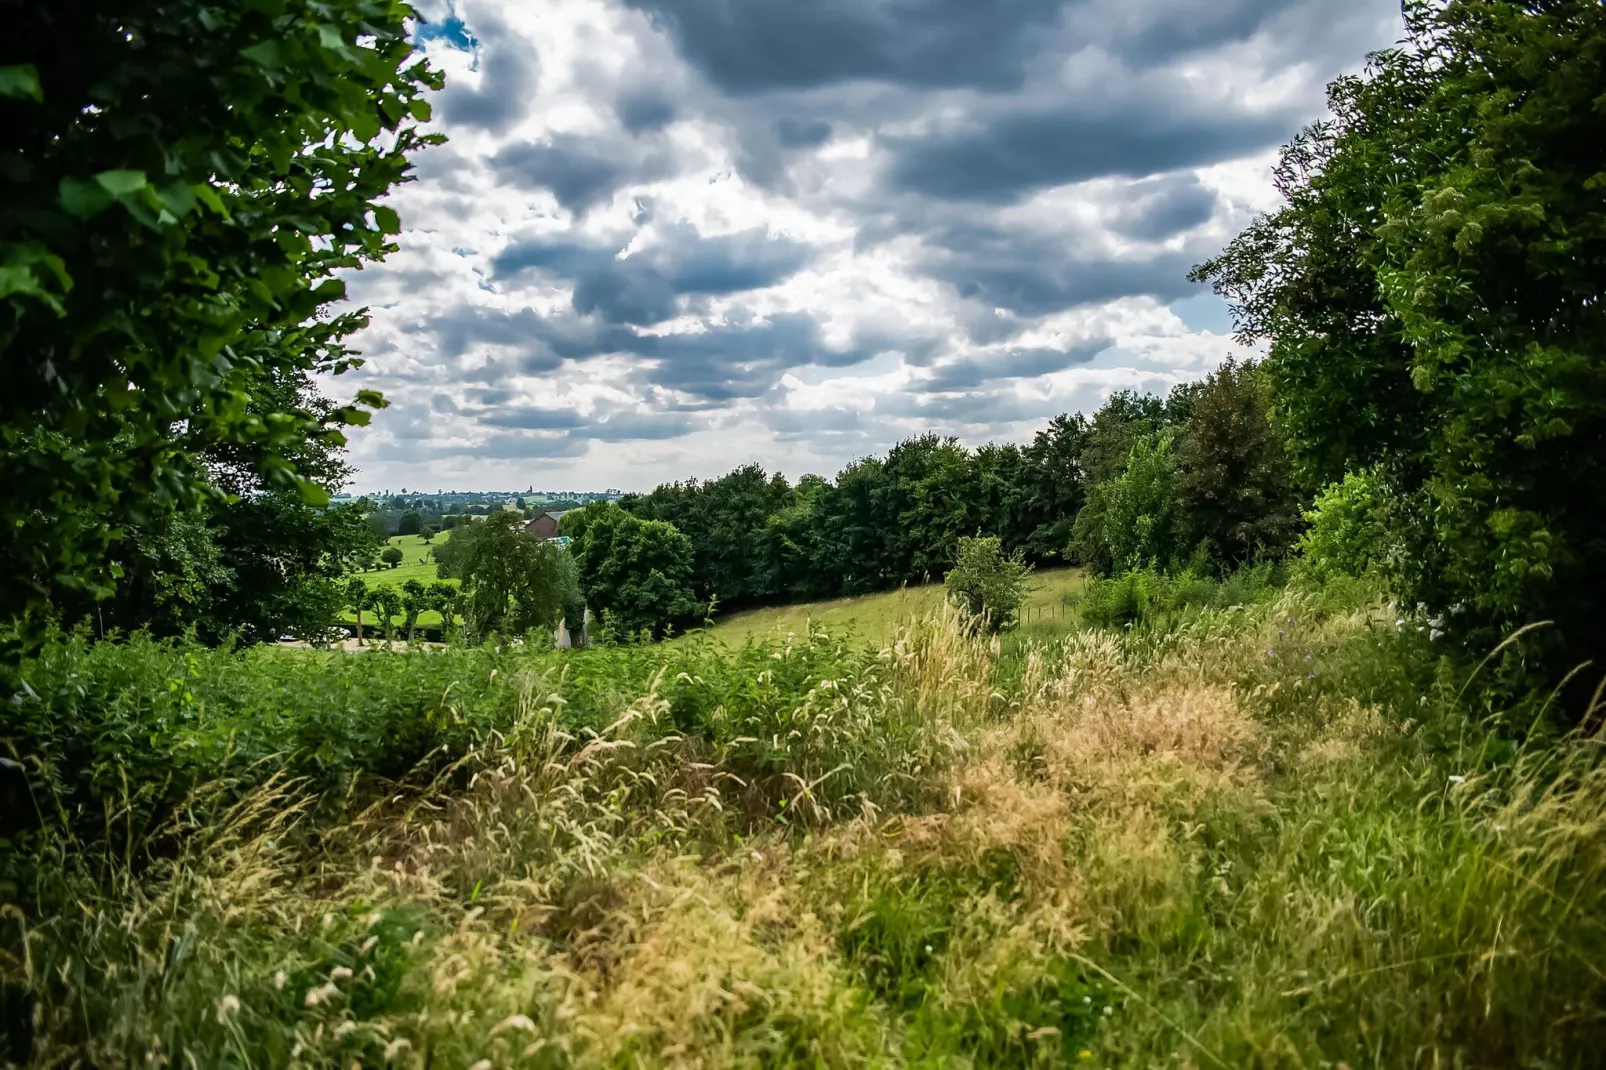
[[412, 511]]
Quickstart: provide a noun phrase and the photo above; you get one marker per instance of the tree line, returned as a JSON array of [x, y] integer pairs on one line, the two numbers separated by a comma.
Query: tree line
[[1199, 479]]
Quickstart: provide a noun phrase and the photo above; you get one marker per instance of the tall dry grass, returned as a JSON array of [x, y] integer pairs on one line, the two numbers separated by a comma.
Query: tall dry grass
[[1224, 845]]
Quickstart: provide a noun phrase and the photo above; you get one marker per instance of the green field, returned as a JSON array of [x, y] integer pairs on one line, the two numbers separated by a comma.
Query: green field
[[417, 564], [877, 616]]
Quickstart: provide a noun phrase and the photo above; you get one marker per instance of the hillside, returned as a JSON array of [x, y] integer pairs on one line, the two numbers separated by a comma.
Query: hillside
[[875, 617]]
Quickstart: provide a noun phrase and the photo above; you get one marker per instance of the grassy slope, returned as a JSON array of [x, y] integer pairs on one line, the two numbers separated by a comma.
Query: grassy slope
[[417, 564], [875, 617], [1271, 838]]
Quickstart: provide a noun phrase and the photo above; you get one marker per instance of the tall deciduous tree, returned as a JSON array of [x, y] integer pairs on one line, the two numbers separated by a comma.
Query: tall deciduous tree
[[512, 582], [182, 182], [1431, 292], [1234, 486], [637, 573]]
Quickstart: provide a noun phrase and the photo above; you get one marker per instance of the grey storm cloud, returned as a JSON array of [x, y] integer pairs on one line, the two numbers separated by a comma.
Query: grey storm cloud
[[1160, 208], [967, 409], [760, 45], [514, 446], [639, 426], [1017, 153], [644, 288], [741, 361], [644, 110], [1035, 274], [523, 418], [1022, 363], [718, 363], [605, 426], [581, 172], [507, 85]]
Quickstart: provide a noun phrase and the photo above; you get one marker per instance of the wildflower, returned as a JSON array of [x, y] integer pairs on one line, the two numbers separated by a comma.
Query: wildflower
[[227, 1006], [1084, 1054], [316, 996], [279, 979], [1458, 780], [340, 973]]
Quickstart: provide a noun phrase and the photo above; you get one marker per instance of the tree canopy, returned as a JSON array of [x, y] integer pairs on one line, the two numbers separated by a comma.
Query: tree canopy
[[1430, 291], [182, 183]]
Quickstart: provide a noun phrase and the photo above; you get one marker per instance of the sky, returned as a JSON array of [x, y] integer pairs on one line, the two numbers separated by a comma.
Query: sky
[[666, 238]]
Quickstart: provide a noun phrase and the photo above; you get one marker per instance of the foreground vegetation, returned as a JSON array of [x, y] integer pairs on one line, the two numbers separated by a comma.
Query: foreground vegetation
[[1273, 834]]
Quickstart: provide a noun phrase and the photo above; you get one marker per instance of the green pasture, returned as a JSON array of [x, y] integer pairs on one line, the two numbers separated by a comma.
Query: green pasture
[[875, 617]]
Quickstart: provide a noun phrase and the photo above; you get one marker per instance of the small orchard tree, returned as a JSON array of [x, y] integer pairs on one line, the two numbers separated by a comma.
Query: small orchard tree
[[391, 556], [358, 597], [986, 583], [443, 600], [387, 603], [415, 599]]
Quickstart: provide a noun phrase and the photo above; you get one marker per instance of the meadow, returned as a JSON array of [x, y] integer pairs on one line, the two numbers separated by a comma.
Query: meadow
[[1283, 832], [876, 617], [416, 564]]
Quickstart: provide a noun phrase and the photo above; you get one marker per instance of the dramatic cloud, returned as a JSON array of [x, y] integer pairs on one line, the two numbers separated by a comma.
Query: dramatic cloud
[[668, 237], [1010, 155], [759, 45]]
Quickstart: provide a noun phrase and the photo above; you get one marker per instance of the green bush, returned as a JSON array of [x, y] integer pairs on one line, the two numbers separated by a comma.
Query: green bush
[[1154, 600], [986, 583], [1348, 533]]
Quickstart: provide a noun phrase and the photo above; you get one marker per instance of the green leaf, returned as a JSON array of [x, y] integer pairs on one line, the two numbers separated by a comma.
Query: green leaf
[[372, 398], [179, 198], [208, 196], [387, 219], [310, 492], [421, 109], [266, 54], [21, 82], [330, 38], [120, 183], [83, 199]]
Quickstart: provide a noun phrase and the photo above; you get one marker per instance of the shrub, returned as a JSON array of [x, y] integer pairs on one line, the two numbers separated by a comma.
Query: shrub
[[1348, 533], [391, 555], [1156, 601], [986, 583]]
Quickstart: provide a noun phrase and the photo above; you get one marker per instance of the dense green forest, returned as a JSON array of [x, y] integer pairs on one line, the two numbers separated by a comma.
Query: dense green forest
[[1199, 482], [1310, 775]]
